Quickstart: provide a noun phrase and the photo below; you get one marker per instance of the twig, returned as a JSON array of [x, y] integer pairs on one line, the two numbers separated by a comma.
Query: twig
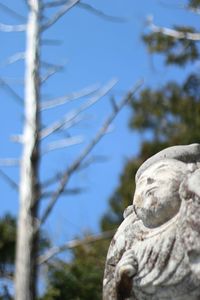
[[51, 72], [173, 33], [66, 7], [52, 180], [73, 244], [50, 42], [8, 88], [70, 117], [12, 12], [57, 177], [73, 191], [76, 164], [68, 98], [14, 58], [100, 13], [9, 180]]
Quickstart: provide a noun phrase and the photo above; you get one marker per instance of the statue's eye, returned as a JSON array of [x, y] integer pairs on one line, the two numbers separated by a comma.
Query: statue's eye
[[150, 180]]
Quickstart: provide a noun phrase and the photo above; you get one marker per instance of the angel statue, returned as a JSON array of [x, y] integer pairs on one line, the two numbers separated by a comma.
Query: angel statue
[[155, 253]]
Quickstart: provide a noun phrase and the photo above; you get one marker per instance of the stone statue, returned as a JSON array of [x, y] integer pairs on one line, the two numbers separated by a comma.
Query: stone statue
[[155, 253]]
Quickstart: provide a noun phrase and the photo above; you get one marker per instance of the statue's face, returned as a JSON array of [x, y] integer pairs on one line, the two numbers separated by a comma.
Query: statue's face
[[156, 197]]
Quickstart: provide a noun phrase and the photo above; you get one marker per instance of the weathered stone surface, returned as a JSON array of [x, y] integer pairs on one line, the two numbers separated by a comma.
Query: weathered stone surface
[[155, 253]]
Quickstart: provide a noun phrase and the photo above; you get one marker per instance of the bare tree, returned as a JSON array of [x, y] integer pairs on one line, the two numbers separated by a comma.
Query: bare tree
[[30, 187]]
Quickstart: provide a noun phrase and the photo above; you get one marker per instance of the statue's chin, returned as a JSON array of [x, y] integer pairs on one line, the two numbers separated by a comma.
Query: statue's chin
[[155, 218]]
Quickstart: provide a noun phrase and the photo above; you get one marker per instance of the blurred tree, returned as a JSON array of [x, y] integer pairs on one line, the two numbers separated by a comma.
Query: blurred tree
[[170, 115], [7, 245], [37, 137], [7, 252], [80, 279]]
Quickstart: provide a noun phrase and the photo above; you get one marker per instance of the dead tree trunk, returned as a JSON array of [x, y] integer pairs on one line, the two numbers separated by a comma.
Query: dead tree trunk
[[27, 235]]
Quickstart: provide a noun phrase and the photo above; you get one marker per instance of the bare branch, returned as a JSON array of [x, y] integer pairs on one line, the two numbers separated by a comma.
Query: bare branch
[[12, 28], [14, 58], [74, 244], [74, 191], [89, 8], [173, 33], [17, 138], [6, 274], [68, 98], [70, 117], [76, 164], [53, 70], [48, 42], [100, 13], [8, 88], [12, 12], [55, 3], [63, 144], [49, 65], [9, 180], [66, 7], [57, 177], [113, 103], [9, 162]]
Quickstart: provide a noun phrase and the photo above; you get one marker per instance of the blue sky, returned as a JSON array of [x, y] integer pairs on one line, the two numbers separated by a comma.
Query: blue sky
[[94, 51]]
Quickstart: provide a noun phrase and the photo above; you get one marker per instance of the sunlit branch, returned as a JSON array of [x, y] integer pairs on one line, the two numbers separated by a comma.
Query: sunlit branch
[[12, 28], [173, 33], [9, 162], [66, 7], [68, 98], [17, 138], [74, 114], [63, 144], [73, 244], [86, 151]]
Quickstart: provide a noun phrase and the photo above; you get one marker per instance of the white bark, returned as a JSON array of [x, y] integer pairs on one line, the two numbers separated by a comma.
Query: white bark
[[29, 188]]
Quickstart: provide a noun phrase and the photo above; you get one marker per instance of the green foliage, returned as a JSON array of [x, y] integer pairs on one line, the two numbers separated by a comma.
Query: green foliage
[[7, 243], [194, 3], [176, 51], [82, 278], [170, 113]]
